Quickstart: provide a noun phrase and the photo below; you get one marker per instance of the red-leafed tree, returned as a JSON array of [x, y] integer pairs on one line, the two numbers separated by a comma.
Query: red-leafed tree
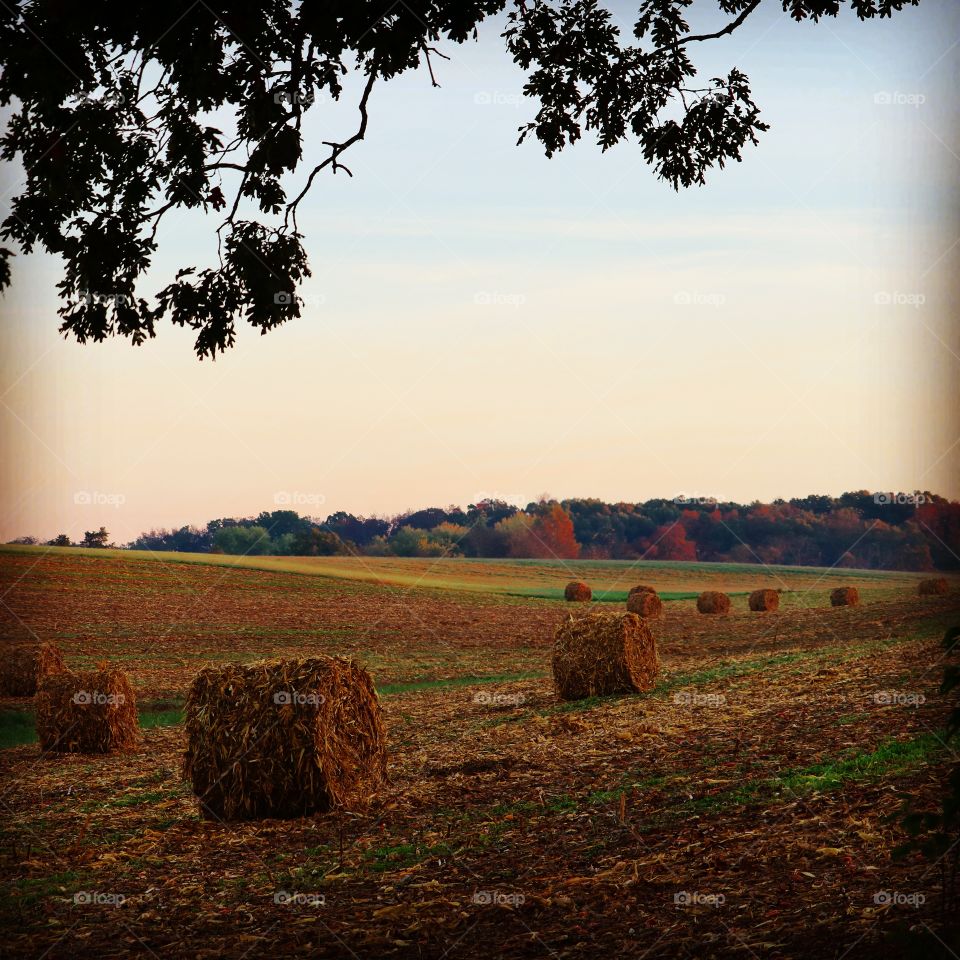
[[554, 530], [940, 523], [670, 542]]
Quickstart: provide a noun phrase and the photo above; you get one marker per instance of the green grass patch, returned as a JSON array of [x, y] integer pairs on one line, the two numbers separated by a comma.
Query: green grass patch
[[30, 890], [17, 727], [388, 689], [171, 717], [400, 856], [890, 757]]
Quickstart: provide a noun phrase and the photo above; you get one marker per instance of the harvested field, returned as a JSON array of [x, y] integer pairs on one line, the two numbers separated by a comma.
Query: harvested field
[[726, 806], [611, 580]]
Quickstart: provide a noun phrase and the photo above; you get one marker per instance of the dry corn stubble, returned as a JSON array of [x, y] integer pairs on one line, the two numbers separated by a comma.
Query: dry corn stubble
[[90, 711], [284, 738], [603, 653]]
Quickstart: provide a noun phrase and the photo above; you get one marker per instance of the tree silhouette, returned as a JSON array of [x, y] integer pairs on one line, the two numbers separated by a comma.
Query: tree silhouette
[[121, 112], [95, 538]]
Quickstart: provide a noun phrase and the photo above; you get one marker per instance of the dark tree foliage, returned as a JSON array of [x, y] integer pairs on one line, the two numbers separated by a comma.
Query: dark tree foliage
[[185, 540], [123, 112], [280, 522], [489, 511], [95, 538], [356, 530], [317, 542], [432, 517]]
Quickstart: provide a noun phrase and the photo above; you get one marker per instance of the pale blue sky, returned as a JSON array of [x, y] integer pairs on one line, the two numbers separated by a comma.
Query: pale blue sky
[[487, 321]]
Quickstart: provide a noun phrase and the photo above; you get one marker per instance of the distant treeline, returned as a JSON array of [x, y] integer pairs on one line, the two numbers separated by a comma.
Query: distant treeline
[[917, 531]]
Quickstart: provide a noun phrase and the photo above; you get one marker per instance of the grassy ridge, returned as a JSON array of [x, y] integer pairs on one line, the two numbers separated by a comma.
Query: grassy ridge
[[528, 579]]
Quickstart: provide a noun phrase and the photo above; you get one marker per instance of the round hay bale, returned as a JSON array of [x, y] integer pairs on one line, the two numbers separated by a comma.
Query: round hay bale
[[577, 591], [283, 738], [645, 604], [91, 711], [713, 601], [933, 587], [844, 597], [641, 589], [603, 653], [765, 599], [23, 666]]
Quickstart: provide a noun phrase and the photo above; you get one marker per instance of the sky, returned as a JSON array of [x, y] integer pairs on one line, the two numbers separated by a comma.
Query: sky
[[484, 321]]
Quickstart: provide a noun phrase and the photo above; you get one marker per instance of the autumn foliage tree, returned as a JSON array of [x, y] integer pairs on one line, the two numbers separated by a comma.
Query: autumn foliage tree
[[553, 529]]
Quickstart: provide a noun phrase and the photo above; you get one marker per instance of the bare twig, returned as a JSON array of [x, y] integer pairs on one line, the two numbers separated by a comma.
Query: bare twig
[[728, 29], [335, 150], [426, 53]]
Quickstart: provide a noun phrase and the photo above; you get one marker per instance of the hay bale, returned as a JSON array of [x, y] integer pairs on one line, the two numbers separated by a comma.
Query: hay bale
[[577, 591], [23, 666], [603, 653], [91, 711], [844, 597], [764, 599], [933, 587], [283, 738], [713, 601], [645, 604], [640, 589]]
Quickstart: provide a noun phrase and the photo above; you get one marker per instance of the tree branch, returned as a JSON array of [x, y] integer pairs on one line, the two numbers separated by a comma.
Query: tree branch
[[426, 53], [336, 150], [728, 29]]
